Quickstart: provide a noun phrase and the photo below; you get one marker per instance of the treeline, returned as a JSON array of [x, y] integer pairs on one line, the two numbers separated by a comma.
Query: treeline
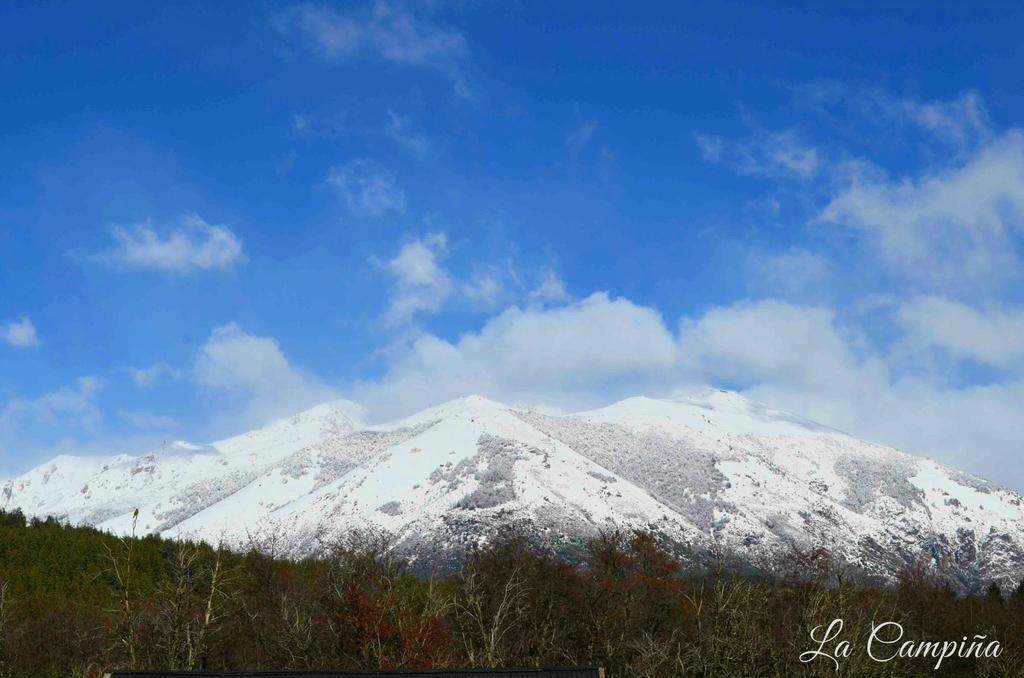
[[75, 601]]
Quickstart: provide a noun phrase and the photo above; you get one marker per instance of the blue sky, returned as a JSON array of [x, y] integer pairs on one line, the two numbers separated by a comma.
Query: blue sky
[[212, 215]]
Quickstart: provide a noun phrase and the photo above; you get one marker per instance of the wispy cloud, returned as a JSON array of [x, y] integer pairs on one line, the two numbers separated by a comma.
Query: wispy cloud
[[191, 246], [579, 138], [151, 374], [367, 188], [768, 154], [949, 226], [484, 289], [961, 122], [19, 333], [387, 31], [949, 221], [423, 283], [68, 406], [550, 289], [400, 129], [340, 126]]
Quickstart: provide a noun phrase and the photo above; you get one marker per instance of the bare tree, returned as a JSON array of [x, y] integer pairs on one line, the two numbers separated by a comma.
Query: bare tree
[[120, 566], [191, 605], [212, 612], [296, 638], [486, 620]]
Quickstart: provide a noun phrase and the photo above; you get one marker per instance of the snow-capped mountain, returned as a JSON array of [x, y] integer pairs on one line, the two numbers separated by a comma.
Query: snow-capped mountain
[[708, 470]]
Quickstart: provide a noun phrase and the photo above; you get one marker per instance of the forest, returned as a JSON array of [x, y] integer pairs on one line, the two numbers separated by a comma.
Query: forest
[[75, 601]]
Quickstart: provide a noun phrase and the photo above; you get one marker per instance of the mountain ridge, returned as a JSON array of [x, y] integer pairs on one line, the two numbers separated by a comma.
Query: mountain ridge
[[705, 470]]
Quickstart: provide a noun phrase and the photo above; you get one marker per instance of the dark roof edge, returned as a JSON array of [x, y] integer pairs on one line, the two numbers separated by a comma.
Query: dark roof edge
[[129, 673]]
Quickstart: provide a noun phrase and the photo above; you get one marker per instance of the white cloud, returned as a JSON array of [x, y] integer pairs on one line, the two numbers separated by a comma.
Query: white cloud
[[366, 187], [974, 428], [768, 154], [421, 284], [148, 420], [193, 245], [257, 374], [949, 227], [572, 354], [769, 340], [993, 336], [389, 32], [19, 333]]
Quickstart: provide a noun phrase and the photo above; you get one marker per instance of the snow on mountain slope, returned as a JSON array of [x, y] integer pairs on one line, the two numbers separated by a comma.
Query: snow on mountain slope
[[476, 468], [706, 469], [169, 484], [757, 479]]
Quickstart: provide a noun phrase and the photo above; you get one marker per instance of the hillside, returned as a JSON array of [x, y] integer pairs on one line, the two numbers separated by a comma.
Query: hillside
[[707, 472]]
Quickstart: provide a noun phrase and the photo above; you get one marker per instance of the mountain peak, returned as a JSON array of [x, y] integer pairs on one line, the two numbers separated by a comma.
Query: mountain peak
[[465, 406], [338, 409]]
